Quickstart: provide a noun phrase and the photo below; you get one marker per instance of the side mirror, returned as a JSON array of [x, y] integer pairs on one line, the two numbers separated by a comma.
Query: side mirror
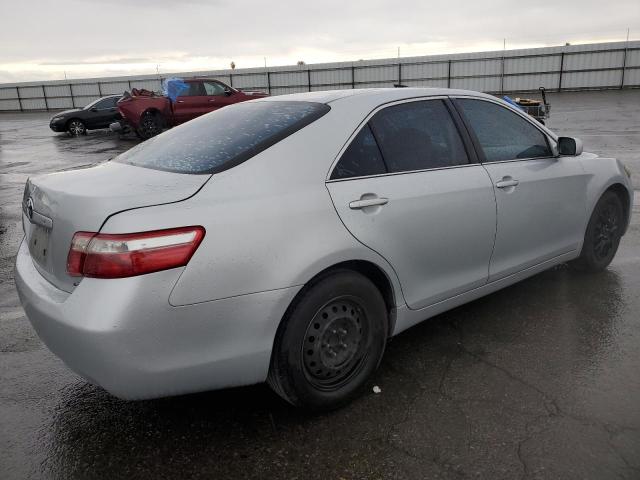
[[228, 91], [93, 109], [569, 146]]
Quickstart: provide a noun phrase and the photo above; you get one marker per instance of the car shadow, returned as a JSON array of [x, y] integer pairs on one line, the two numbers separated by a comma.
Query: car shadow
[[251, 433]]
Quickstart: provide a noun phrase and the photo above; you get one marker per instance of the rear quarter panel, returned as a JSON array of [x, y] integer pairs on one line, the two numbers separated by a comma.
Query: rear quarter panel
[[133, 109], [270, 221]]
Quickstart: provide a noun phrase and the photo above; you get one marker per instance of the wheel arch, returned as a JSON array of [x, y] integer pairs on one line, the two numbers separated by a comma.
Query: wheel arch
[[152, 111], [66, 124], [366, 268], [623, 194]]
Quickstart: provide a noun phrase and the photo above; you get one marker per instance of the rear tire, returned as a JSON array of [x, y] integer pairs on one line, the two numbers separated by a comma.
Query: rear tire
[[151, 124], [330, 342], [603, 235]]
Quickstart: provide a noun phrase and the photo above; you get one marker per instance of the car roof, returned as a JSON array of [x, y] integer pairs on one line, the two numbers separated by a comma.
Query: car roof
[[200, 79], [379, 94]]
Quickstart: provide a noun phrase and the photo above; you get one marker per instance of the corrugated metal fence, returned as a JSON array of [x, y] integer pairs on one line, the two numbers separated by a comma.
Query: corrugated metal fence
[[571, 67]]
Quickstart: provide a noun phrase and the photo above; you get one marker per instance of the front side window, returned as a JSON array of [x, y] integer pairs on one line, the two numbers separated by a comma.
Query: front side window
[[213, 88], [223, 138], [361, 158], [503, 134], [418, 136]]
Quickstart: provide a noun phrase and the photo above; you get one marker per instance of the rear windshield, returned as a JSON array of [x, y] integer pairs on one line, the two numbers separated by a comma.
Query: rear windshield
[[224, 138]]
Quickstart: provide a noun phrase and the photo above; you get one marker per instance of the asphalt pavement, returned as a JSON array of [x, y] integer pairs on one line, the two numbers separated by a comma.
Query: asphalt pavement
[[539, 380]]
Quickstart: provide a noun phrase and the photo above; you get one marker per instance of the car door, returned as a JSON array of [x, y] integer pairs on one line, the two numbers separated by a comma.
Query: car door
[[191, 103], [102, 113], [540, 198], [218, 95], [407, 186]]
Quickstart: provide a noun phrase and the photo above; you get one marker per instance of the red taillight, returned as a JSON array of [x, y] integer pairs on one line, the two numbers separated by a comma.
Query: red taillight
[[102, 255]]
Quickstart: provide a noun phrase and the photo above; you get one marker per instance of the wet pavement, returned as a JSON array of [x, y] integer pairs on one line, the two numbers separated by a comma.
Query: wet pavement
[[539, 380]]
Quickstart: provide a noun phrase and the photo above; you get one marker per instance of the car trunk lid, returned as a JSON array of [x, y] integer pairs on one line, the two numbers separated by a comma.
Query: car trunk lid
[[57, 205]]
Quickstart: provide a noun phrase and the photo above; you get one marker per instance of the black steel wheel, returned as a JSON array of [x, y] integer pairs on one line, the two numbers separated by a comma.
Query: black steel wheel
[[76, 127], [151, 124], [330, 341], [333, 351], [603, 234]]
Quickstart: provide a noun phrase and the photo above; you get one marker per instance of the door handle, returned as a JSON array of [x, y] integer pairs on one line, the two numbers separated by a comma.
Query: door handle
[[180, 101], [507, 182], [369, 202], [212, 99]]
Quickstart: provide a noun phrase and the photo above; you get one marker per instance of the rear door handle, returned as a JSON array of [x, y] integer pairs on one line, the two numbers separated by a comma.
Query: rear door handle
[[180, 101], [369, 202], [506, 183]]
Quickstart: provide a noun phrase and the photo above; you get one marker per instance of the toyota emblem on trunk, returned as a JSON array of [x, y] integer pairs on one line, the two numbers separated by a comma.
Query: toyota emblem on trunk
[[30, 208]]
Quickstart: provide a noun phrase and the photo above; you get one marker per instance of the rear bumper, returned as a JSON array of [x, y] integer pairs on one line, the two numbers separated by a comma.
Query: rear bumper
[[125, 336]]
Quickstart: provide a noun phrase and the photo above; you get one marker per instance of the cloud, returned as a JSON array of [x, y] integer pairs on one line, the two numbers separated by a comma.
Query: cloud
[[51, 37]]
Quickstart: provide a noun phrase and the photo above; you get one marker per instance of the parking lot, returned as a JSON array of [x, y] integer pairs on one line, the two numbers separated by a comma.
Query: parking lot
[[539, 380]]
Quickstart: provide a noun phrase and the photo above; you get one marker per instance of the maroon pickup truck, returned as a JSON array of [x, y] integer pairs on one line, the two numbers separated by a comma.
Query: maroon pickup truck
[[148, 113]]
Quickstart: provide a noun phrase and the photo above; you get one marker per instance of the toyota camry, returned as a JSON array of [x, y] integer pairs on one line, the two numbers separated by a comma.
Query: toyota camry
[[286, 239]]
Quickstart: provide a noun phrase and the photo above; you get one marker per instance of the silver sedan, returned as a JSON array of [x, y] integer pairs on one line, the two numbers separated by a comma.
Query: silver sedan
[[288, 238]]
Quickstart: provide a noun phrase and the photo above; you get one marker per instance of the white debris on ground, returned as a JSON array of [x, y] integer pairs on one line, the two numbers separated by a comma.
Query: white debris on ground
[[377, 389]]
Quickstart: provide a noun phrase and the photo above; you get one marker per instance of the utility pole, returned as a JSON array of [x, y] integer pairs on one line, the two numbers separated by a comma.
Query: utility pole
[[624, 60]]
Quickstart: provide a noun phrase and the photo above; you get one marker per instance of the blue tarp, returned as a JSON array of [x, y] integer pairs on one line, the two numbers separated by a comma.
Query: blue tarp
[[512, 102], [172, 87]]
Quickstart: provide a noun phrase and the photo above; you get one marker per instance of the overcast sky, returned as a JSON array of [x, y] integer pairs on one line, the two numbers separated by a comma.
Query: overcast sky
[[42, 39]]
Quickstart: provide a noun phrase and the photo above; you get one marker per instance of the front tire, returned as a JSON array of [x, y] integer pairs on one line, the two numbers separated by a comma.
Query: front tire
[[76, 127], [151, 124], [603, 235], [330, 342]]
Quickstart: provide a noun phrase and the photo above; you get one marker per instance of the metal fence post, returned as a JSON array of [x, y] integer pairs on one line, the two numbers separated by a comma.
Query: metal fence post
[[353, 76], [231, 79], [99, 90], [309, 78], [561, 68], [624, 66], [502, 76], [73, 101], [44, 95], [399, 73], [19, 99], [268, 82], [449, 74]]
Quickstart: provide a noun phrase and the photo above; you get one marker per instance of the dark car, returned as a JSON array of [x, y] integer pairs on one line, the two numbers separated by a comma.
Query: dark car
[[98, 114]]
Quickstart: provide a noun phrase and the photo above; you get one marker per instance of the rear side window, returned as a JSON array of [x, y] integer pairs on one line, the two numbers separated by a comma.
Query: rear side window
[[503, 134], [196, 89], [418, 136], [107, 103], [361, 158], [223, 138]]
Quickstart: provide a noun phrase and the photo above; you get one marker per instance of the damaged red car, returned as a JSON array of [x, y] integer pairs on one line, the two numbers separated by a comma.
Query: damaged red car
[[148, 113]]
